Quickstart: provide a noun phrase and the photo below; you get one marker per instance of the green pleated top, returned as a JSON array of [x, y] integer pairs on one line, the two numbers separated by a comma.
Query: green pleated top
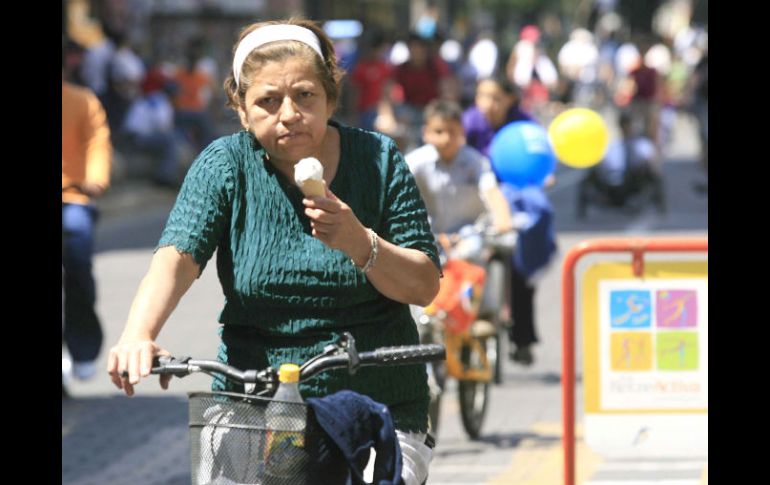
[[287, 294]]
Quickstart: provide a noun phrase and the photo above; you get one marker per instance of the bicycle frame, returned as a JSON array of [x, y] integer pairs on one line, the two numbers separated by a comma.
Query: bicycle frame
[[495, 246], [455, 368], [471, 328], [454, 343]]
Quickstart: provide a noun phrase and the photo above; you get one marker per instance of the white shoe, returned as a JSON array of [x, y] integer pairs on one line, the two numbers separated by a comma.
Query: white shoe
[[66, 369], [84, 371]]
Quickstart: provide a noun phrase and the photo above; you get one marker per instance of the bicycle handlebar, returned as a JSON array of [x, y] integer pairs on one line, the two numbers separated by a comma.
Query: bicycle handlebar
[[410, 354], [336, 356]]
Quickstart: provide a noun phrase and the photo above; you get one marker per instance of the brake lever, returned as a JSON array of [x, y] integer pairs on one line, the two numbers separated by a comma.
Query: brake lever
[[349, 344]]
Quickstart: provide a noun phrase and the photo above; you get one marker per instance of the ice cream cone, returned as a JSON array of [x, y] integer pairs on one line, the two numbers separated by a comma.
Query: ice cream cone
[[313, 187]]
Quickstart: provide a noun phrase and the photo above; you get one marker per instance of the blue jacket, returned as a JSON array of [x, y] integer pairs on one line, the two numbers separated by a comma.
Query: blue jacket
[[355, 423], [536, 243]]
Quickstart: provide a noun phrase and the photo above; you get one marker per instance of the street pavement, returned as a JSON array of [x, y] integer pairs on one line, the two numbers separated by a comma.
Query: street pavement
[[109, 439]]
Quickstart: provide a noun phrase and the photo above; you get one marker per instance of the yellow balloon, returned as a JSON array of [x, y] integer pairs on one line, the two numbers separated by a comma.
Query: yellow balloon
[[579, 137]]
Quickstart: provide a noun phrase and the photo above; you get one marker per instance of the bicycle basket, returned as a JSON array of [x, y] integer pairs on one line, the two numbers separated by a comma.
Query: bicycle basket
[[230, 443]]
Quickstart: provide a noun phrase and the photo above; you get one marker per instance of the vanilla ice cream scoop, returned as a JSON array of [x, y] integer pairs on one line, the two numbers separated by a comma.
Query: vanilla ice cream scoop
[[309, 175]]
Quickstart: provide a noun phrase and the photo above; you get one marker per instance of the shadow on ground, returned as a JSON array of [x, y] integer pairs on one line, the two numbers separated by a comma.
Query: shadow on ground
[[496, 440], [545, 378]]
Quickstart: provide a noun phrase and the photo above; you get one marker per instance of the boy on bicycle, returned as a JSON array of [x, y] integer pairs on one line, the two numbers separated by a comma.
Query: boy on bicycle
[[456, 181]]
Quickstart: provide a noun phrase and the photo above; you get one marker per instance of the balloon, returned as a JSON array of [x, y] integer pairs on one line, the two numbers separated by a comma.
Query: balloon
[[521, 155], [579, 137]]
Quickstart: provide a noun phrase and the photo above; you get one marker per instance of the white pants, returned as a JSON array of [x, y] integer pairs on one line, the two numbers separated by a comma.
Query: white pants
[[415, 456]]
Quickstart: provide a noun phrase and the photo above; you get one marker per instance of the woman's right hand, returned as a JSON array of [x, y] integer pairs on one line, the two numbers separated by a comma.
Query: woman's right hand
[[134, 357]]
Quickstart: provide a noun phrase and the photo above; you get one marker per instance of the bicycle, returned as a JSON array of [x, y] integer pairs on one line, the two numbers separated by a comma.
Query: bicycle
[[228, 432], [470, 315]]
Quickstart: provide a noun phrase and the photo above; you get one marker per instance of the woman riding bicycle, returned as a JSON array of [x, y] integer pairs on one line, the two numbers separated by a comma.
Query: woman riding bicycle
[[296, 270]]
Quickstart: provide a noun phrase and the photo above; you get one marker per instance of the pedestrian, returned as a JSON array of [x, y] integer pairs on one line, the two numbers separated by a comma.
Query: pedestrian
[[191, 100], [642, 92], [148, 128], [296, 271], [628, 170], [497, 105], [533, 219], [85, 175], [697, 99], [371, 80], [533, 72], [423, 77]]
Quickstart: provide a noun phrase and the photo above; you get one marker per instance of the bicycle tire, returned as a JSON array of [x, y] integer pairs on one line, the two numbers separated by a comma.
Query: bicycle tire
[[491, 306], [434, 409], [473, 397], [436, 370], [493, 355], [434, 412]]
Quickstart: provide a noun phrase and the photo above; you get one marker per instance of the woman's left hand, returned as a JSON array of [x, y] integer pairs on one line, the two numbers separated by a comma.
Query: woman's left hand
[[335, 224]]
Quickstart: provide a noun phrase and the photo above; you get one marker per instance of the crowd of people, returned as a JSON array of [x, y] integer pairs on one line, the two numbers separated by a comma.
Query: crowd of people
[[162, 107], [650, 77], [156, 111], [428, 119]]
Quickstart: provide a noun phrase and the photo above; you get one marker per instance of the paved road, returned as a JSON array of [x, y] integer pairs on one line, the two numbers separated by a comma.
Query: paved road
[[108, 439]]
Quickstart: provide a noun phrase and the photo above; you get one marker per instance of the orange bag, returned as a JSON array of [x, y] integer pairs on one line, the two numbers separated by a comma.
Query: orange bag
[[459, 293]]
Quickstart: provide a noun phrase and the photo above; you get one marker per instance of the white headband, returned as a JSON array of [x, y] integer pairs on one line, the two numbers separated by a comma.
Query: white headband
[[272, 33]]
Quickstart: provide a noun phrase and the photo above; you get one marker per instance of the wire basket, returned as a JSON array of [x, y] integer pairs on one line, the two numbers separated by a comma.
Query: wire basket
[[231, 443]]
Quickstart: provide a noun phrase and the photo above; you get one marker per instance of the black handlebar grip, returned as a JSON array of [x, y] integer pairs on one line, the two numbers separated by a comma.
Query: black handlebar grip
[[410, 354], [160, 365], [166, 364]]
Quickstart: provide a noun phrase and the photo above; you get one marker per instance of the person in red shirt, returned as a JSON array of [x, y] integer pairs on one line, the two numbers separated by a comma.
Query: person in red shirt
[[422, 75], [371, 79], [642, 93], [422, 78]]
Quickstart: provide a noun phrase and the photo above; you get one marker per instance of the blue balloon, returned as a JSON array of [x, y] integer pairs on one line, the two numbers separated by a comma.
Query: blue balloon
[[521, 154]]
